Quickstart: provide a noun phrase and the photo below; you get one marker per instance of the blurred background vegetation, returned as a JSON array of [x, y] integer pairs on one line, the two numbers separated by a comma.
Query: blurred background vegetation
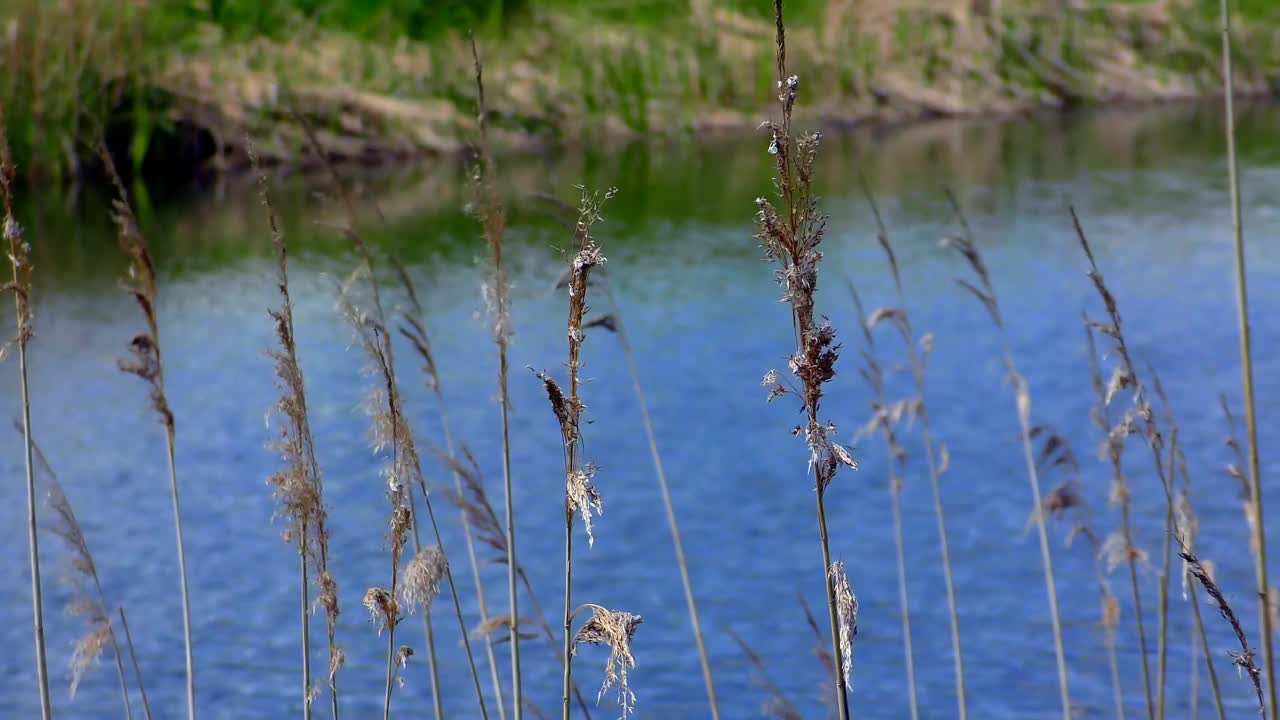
[[174, 85]]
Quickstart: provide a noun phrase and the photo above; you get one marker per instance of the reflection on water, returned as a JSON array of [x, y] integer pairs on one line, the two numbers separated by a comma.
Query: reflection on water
[[703, 313]]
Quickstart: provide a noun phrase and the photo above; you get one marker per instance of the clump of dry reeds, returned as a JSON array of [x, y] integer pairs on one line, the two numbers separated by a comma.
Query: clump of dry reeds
[[414, 328], [885, 418], [614, 629], [935, 459], [985, 292], [1246, 364], [19, 252], [146, 364], [87, 600], [298, 486], [791, 237], [497, 292], [581, 495]]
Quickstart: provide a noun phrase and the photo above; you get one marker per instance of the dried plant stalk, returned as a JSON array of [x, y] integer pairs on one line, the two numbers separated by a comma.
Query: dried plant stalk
[[414, 329], [1113, 448], [146, 363], [87, 599], [1246, 366], [917, 359], [133, 657], [778, 706], [791, 238], [299, 487], [885, 419], [1245, 659], [581, 496], [19, 251], [493, 218], [986, 294]]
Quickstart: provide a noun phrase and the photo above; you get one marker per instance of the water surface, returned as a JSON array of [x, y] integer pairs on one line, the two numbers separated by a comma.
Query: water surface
[[704, 317]]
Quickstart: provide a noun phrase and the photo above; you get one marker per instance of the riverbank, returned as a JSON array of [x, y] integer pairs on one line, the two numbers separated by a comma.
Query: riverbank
[[178, 92]]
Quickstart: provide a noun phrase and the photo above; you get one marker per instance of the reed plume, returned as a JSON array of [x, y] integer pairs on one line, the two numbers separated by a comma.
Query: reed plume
[[985, 293], [1125, 376], [581, 496], [1246, 366], [791, 238], [614, 629], [414, 329], [493, 217], [298, 486], [87, 600], [391, 430], [1112, 447], [884, 420], [19, 251], [146, 364], [1245, 660], [483, 520], [917, 357], [1185, 527]]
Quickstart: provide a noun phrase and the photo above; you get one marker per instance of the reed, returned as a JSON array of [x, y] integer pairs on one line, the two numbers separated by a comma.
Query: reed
[[1122, 541], [133, 657], [935, 457], [1246, 364], [1110, 619], [1245, 660], [791, 237], [391, 429], [147, 365], [985, 292], [87, 599], [778, 706], [299, 487], [581, 495], [497, 291], [885, 417], [19, 251], [614, 629], [413, 327], [1126, 377]]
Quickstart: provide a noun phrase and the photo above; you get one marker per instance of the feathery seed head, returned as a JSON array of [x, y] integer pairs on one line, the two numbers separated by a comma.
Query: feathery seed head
[[422, 578], [616, 630], [847, 617]]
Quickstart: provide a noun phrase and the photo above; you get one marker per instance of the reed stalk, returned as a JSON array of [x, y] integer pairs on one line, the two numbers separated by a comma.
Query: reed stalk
[[299, 487], [1245, 659], [87, 600], [1246, 365], [392, 429], [581, 495], [19, 251], [493, 218], [918, 366], [791, 237], [137, 671], [616, 325], [147, 365], [985, 293], [884, 420], [414, 329]]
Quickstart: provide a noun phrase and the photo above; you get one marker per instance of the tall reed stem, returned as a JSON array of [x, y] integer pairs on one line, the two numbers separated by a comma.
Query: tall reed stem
[[672, 524], [19, 256], [305, 613], [926, 432], [1246, 366], [1194, 594], [986, 294], [182, 568], [494, 219], [133, 657]]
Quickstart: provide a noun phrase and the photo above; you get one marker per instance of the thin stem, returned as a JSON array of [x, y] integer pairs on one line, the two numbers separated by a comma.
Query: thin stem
[[567, 651], [842, 695], [305, 611], [672, 524], [124, 686], [1046, 558], [391, 652], [1162, 644], [896, 500], [1194, 671], [33, 542], [428, 631], [1208, 656], [182, 570], [1114, 663], [1127, 528], [513, 597], [137, 672], [1246, 365], [551, 637]]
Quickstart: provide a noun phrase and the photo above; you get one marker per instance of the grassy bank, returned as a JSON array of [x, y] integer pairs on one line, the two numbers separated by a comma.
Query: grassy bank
[[177, 84]]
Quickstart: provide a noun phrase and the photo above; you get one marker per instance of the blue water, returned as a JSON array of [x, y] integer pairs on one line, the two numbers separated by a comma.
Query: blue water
[[703, 315]]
